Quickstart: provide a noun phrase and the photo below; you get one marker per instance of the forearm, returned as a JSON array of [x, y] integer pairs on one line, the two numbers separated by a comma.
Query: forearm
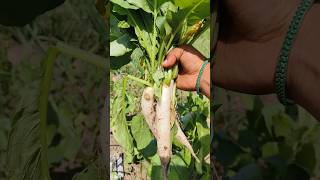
[[304, 66]]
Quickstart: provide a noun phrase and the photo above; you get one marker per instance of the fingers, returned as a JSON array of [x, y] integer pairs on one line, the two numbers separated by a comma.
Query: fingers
[[172, 58]]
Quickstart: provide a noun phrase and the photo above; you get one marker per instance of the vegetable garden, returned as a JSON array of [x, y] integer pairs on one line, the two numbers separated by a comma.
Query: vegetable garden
[[52, 88], [164, 130]]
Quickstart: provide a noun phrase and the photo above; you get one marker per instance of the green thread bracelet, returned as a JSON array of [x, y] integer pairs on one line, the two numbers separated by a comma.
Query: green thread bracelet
[[199, 76], [282, 66]]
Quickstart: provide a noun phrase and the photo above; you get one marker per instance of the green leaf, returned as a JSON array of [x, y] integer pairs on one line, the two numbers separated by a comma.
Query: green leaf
[[150, 150], [242, 160], [199, 8], [137, 57], [178, 168], [143, 4], [163, 26], [140, 132], [118, 10], [114, 21], [123, 24], [158, 76], [167, 7], [121, 46], [286, 152], [24, 149], [270, 149], [283, 126], [269, 114], [118, 62], [70, 146], [55, 154], [203, 43], [227, 152], [306, 158], [118, 124], [190, 13], [124, 4], [204, 138], [143, 31]]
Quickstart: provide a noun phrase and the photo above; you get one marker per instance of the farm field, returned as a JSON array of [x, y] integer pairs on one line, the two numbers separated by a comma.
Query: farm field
[[141, 35]]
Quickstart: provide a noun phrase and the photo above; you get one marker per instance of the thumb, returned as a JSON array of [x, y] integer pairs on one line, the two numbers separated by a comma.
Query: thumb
[[172, 58]]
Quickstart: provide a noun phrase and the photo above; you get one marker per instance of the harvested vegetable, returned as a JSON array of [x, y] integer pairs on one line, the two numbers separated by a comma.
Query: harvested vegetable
[[145, 31]]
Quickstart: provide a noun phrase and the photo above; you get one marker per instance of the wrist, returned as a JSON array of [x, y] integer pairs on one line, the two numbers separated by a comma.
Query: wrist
[[304, 66], [205, 81], [290, 41]]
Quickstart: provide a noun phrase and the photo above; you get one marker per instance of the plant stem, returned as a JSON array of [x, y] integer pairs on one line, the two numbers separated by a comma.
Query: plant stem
[[169, 44], [161, 51], [46, 80], [82, 55], [123, 93], [154, 40], [45, 86], [140, 80]]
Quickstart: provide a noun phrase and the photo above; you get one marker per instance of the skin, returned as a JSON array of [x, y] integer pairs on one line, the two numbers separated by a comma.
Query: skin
[[190, 61], [250, 39]]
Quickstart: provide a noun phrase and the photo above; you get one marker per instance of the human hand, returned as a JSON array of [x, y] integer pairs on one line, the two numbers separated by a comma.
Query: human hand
[[251, 36], [249, 45], [190, 61]]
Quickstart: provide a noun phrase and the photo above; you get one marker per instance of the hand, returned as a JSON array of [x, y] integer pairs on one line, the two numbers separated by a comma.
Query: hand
[[249, 45], [250, 42], [190, 61]]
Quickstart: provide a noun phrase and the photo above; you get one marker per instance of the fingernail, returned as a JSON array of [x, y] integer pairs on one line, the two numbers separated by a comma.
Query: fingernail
[[164, 62]]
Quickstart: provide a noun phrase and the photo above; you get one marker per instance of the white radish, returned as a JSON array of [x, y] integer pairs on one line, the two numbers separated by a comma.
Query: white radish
[[163, 115], [181, 137], [148, 110], [161, 121]]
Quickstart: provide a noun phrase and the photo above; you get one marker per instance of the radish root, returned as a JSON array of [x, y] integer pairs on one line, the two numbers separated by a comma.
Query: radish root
[[181, 137], [163, 116], [160, 117], [148, 110]]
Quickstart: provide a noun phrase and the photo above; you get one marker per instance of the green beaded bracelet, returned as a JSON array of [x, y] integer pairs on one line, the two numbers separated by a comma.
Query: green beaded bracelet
[[282, 66], [199, 76]]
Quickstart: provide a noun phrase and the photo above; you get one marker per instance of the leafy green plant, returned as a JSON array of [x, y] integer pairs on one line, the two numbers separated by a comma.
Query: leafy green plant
[[267, 141], [144, 31], [46, 129], [31, 140]]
